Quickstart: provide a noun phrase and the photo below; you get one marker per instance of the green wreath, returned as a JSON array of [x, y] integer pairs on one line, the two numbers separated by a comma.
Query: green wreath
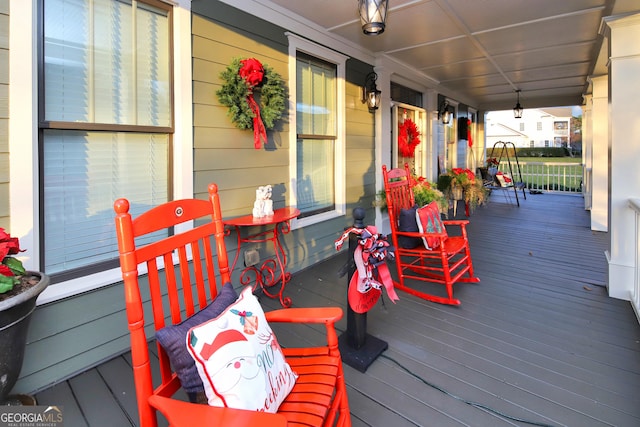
[[236, 90]]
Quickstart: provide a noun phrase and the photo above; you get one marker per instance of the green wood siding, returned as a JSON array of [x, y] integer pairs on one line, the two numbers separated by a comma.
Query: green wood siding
[[4, 114], [71, 335], [225, 155]]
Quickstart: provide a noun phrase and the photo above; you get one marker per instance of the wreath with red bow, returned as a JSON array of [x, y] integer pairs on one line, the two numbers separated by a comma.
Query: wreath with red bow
[[408, 138], [243, 79]]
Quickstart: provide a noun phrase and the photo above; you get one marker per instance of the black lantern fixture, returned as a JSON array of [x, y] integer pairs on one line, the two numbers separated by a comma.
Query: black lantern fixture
[[370, 92], [373, 14], [517, 110], [445, 112]]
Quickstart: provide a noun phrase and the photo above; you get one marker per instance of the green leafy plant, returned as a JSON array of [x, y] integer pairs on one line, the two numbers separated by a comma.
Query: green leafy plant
[[474, 193], [11, 268]]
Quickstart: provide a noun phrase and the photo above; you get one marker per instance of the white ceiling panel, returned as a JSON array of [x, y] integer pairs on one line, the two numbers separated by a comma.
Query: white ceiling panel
[[444, 52], [486, 15], [546, 73], [544, 57], [424, 22], [464, 70], [564, 30]]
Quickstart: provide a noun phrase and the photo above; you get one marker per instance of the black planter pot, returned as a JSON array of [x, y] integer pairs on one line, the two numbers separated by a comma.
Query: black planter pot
[[15, 314]]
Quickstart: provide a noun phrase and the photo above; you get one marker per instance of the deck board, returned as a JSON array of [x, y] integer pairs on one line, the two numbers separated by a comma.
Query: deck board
[[538, 339]]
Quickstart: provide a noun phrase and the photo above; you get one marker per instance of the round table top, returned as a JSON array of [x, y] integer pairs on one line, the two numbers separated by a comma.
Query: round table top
[[279, 215]]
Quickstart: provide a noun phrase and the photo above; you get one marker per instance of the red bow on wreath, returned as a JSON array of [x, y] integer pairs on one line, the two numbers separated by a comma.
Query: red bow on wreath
[[408, 138], [253, 73]]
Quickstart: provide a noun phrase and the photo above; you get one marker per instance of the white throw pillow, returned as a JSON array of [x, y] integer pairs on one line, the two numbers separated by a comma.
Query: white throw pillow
[[504, 179], [239, 359]]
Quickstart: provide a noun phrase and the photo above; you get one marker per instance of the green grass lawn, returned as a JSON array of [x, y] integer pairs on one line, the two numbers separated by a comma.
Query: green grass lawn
[[548, 177], [551, 159]]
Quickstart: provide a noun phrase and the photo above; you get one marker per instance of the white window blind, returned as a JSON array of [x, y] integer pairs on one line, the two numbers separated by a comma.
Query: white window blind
[[106, 65], [85, 172], [316, 117]]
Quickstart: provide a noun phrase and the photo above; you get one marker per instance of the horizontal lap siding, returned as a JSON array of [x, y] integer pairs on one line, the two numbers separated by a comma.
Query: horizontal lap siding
[[226, 155], [223, 154], [71, 335], [4, 115]]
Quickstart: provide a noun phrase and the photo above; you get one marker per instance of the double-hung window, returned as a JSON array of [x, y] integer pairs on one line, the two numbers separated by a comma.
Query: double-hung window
[[316, 134], [318, 150], [105, 124]]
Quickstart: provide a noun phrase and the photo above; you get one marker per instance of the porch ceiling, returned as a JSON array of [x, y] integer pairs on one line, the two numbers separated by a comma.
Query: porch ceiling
[[484, 49]]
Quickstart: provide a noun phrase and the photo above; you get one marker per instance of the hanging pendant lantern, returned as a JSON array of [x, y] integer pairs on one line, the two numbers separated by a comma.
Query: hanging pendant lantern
[[373, 15], [517, 110]]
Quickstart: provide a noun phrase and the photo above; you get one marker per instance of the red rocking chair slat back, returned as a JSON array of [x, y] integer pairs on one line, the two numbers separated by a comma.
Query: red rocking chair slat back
[[178, 268], [446, 261]]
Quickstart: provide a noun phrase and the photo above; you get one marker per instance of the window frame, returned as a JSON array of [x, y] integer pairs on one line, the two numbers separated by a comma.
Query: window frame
[[25, 192], [98, 127], [298, 44]]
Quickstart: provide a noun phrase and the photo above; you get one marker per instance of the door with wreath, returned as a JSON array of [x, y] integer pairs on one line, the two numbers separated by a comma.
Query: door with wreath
[[410, 139]]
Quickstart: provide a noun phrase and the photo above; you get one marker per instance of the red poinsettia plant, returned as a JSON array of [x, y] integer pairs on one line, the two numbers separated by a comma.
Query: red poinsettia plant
[[10, 267], [462, 176]]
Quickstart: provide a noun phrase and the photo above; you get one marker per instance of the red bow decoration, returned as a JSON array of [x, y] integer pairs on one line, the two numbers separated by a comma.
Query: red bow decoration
[[372, 273], [252, 72]]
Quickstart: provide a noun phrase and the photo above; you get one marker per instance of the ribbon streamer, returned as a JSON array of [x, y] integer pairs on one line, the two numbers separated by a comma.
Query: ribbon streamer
[[259, 131]]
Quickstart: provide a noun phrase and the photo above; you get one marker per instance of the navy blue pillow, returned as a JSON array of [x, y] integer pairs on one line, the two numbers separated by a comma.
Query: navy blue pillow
[[173, 339], [408, 222]]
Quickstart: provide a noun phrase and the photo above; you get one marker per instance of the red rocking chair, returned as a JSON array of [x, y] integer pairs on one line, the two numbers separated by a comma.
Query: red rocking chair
[[180, 282], [424, 250]]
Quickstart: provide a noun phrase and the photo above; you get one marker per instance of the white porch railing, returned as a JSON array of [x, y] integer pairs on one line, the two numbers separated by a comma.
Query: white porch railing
[[561, 177], [634, 204]]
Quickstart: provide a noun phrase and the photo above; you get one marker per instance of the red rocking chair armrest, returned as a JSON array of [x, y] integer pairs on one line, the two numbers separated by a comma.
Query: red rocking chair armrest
[[305, 315], [181, 414], [419, 234], [457, 222]]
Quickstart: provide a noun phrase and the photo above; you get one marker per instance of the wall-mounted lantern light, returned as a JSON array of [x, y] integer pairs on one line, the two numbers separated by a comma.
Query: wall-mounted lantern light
[[371, 93], [517, 110], [373, 15], [445, 112]]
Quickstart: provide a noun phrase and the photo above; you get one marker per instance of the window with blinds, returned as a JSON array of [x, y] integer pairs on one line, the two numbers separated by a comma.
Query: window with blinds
[[316, 116], [106, 124]]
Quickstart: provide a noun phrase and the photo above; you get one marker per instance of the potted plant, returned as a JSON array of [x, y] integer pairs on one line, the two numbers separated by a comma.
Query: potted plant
[[19, 290], [462, 184]]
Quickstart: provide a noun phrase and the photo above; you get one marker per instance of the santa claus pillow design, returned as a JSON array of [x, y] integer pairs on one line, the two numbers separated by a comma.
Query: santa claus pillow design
[[239, 359]]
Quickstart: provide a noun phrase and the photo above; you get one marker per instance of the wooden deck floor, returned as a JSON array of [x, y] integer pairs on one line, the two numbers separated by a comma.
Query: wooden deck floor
[[537, 340]]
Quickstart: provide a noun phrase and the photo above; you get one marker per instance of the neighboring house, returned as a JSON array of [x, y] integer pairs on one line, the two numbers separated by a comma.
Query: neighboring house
[[544, 127]]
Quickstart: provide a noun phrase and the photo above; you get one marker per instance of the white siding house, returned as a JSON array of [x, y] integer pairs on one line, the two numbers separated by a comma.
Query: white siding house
[[548, 127]]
